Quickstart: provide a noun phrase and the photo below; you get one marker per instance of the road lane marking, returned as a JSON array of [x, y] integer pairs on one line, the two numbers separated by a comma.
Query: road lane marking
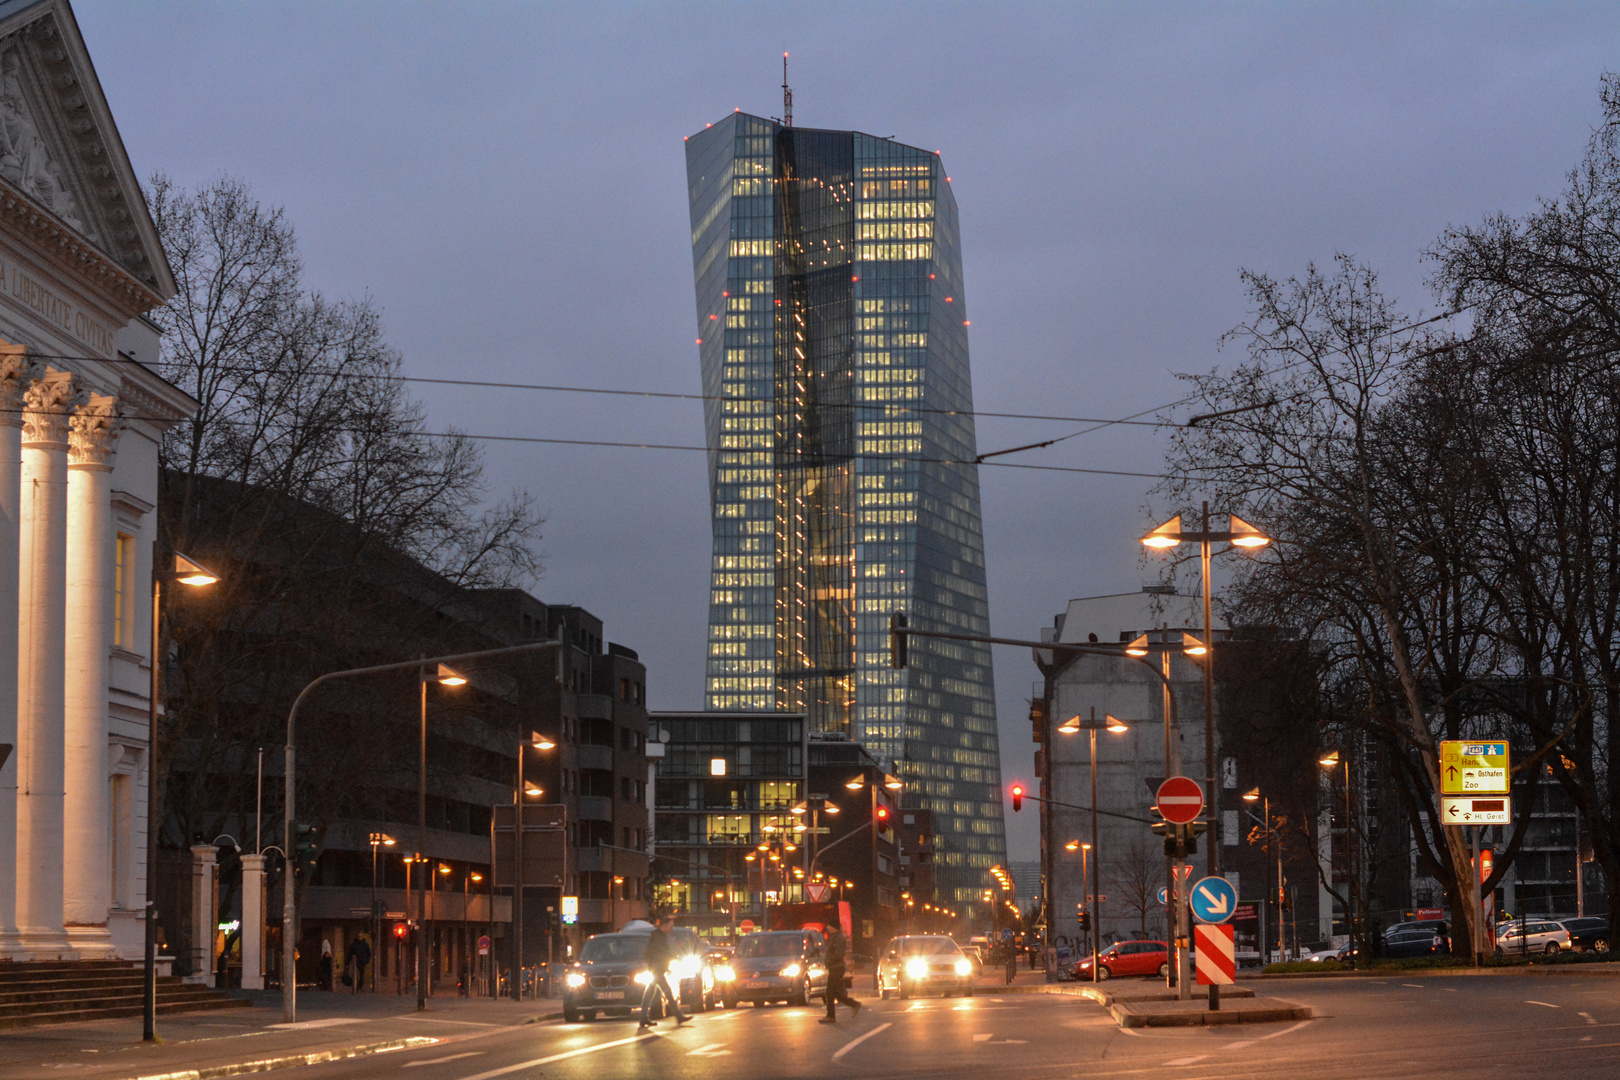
[[1587, 1017], [1543, 1004], [505, 1069], [1284, 1031], [418, 1018], [917, 1006], [1238, 1045], [838, 1055], [983, 1038], [441, 1061], [1418, 986], [1188, 1060], [1449, 989], [711, 1050], [330, 1021]]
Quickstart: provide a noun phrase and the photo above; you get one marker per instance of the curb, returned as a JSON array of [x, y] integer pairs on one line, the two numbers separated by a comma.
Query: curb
[[293, 1060], [1128, 1018], [1578, 971]]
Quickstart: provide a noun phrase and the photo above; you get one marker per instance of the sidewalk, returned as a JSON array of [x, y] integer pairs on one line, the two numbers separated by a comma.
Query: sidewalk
[[204, 1045]]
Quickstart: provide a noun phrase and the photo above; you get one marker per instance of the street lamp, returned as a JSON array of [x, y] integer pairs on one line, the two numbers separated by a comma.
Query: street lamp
[[1069, 727], [377, 840], [519, 887], [444, 675], [1331, 761], [1255, 795], [1240, 534], [185, 571]]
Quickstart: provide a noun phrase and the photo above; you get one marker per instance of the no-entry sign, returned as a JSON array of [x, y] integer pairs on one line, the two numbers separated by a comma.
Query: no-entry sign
[[1179, 800]]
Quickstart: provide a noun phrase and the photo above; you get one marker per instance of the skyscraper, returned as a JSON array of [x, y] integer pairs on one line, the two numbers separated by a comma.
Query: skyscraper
[[833, 340]]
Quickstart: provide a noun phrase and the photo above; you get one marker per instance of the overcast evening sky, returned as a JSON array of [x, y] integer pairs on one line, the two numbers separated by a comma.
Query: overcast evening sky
[[508, 183]]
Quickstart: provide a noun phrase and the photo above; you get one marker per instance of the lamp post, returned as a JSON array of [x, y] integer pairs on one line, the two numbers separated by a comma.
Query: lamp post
[[1241, 534], [444, 675], [187, 572], [1331, 761], [526, 790], [1274, 848], [289, 907], [377, 840], [1070, 727]]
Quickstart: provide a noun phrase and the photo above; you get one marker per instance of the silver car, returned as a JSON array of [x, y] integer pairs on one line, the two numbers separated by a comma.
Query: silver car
[[1531, 936]]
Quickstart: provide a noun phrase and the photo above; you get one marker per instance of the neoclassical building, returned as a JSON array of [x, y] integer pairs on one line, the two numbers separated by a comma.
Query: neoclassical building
[[81, 412]]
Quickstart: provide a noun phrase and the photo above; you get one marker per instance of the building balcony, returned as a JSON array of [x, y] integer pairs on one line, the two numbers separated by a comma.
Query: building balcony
[[595, 808], [594, 757]]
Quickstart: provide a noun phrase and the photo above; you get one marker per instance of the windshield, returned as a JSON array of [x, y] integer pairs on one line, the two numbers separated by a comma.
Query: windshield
[[927, 946], [611, 947], [770, 945], [684, 939]]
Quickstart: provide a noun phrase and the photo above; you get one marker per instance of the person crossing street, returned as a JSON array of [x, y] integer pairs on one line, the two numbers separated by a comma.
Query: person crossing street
[[658, 963], [836, 990]]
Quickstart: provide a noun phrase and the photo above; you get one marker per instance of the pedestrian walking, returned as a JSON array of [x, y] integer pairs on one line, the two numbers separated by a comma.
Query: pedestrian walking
[[658, 961], [360, 956], [1011, 951], [836, 990]]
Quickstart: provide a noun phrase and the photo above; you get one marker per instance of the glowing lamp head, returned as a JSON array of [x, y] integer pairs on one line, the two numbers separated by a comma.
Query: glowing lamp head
[[449, 676], [1167, 535], [1246, 535], [1138, 646], [1192, 646], [190, 572], [540, 742], [1252, 795], [1073, 845], [1116, 725], [1328, 761], [856, 784]]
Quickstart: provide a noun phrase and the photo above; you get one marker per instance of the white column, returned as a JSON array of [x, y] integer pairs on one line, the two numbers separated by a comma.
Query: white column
[[16, 372], [204, 913], [253, 922], [42, 595], [87, 819]]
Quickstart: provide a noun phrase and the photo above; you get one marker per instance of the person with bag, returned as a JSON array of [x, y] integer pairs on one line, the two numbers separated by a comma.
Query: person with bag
[[836, 986]]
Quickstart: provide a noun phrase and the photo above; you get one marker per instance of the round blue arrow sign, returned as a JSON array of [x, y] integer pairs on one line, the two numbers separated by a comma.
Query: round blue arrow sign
[[1213, 900], [1164, 897]]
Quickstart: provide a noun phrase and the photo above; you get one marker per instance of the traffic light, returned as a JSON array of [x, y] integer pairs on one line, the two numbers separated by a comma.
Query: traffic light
[[882, 814], [897, 641], [1083, 917], [1018, 797], [401, 931], [306, 841]]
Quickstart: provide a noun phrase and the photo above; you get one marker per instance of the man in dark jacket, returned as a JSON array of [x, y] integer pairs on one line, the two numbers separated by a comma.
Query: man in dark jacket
[[658, 963], [360, 957], [835, 977]]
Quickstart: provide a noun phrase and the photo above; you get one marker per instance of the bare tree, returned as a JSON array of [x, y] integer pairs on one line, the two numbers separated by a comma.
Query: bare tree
[[1136, 876], [342, 528]]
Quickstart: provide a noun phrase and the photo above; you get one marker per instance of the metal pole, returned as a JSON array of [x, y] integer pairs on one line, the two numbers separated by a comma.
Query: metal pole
[[1349, 857], [422, 966], [1477, 937], [376, 924], [153, 817], [517, 883], [1096, 929], [1213, 837]]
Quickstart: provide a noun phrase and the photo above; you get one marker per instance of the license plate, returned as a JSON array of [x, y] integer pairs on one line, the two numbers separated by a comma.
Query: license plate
[[756, 984], [609, 995]]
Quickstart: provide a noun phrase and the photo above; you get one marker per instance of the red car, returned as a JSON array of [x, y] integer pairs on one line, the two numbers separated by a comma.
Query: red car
[[1127, 958]]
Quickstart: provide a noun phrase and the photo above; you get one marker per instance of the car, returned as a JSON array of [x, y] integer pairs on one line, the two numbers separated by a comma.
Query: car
[[1332, 952], [690, 974], [921, 963], [1438, 926], [1587, 934], [1127, 958], [777, 965], [610, 976], [1409, 943], [1524, 936]]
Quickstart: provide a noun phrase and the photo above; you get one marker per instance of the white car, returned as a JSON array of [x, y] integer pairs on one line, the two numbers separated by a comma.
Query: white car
[[1531, 936]]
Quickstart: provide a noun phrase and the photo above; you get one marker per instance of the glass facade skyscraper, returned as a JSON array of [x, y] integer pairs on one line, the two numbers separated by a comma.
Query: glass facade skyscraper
[[833, 340]]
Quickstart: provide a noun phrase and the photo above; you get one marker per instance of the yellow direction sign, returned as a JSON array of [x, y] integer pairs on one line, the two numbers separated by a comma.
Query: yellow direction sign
[[1473, 768]]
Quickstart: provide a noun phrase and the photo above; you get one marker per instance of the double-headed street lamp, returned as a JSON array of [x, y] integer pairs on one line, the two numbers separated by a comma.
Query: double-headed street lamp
[[376, 840], [1240, 534], [527, 790], [1275, 850], [444, 675], [1070, 727]]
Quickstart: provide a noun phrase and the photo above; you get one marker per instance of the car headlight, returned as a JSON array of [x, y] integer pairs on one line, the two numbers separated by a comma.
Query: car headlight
[[916, 968], [725, 973], [574, 980], [964, 967], [791, 971], [644, 978], [685, 967]]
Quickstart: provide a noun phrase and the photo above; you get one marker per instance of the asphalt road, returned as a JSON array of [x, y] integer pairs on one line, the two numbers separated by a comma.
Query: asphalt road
[[1439, 1027]]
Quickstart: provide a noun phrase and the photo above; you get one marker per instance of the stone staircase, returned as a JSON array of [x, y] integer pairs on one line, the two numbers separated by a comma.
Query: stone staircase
[[70, 991]]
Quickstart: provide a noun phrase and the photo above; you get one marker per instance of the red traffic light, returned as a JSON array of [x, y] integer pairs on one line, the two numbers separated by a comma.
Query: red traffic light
[[883, 813], [1018, 797], [400, 930]]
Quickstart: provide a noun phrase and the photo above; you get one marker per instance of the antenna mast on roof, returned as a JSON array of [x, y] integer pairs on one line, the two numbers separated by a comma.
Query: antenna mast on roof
[[787, 96]]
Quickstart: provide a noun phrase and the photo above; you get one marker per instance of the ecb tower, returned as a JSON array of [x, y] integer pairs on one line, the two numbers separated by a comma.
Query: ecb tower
[[833, 335]]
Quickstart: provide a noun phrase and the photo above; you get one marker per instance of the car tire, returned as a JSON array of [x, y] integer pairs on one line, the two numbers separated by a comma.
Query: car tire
[[728, 1002], [1551, 949], [1103, 974], [570, 1014], [1601, 945], [1164, 970], [590, 1015], [968, 992], [882, 992], [801, 996]]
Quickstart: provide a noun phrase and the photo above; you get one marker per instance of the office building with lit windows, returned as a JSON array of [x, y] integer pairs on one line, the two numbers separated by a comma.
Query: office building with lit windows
[[833, 336]]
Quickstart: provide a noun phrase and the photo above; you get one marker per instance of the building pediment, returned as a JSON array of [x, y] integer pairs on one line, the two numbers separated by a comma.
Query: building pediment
[[60, 154]]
